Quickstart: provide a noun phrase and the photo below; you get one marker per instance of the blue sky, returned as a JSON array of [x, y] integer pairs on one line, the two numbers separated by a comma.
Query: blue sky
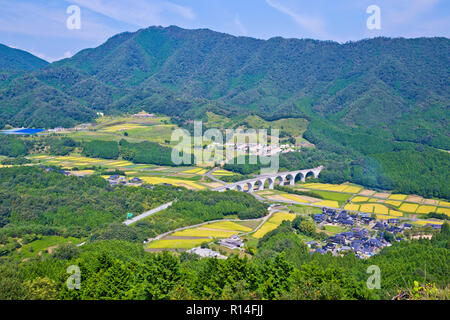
[[39, 26]]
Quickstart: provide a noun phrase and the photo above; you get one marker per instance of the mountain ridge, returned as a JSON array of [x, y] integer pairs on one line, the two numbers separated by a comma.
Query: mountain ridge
[[14, 60], [372, 84]]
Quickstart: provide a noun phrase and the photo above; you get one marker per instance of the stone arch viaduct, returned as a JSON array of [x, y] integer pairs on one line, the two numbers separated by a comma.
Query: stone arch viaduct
[[259, 182]]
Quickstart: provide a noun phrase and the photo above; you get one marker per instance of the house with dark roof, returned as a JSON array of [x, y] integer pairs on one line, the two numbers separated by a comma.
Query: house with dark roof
[[434, 226], [378, 226], [233, 242], [394, 229], [348, 221], [318, 218], [136, 180], [321, 251]]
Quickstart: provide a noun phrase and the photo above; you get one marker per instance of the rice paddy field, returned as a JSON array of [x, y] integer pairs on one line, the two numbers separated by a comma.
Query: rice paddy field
[[223, 173], [150, 174], [204, 233], [273, 223], [332, 187], [343, 196], [176, 243], [177, 182], [354, 198], [192, 237], [199, 171]]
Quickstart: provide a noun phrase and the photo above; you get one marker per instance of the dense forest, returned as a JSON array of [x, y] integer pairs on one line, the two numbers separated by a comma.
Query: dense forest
[[34, 200], [43, 202], [282, 269]]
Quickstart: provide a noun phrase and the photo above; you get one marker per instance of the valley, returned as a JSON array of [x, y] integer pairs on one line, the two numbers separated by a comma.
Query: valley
[[141, 162]]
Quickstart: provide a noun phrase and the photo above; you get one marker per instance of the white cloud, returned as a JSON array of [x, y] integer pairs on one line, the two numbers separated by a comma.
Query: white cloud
[[141, 13], [405, 11], [313, 25], [48, 22], [185, 12], [242, 29]]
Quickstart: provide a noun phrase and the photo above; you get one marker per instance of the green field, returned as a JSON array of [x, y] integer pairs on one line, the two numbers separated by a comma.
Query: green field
[[33, 248]]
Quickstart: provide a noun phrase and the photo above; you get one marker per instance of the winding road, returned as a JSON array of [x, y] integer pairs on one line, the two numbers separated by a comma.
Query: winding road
[[148, 213]]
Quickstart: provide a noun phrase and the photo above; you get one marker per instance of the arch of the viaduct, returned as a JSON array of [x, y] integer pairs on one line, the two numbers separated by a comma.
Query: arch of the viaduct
[[258, 183]]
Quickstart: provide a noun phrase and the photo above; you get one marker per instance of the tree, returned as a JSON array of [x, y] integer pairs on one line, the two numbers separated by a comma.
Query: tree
[[66, 251], [41, 289]]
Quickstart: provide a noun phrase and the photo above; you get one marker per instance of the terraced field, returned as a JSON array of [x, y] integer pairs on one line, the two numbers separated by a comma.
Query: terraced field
[[273, 223], [192, 237], [383, 204], [177, 182], [151, 174], [176, 243]]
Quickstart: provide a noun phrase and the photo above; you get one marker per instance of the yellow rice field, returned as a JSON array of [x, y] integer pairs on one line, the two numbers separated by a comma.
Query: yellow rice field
[[393, 202], [424, 222], [395, 213], [397, 196], [426, 209], [328, 203], [265, 228], [281, 216], [325, 186], [273, 223], [352, 189], [408, 207], [332, 187], [444, 203], [351, 207], [443, 210], [177, 182], [121, 163], [293, 197], [196, 171], [176, 243], [203, 232], [380, 209], [228, 225], [360, 199], [366, 208], [223, 173]]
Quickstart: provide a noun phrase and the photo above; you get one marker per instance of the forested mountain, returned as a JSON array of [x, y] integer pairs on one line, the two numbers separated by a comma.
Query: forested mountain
[[397, 88], [17, 60], [371, 105]]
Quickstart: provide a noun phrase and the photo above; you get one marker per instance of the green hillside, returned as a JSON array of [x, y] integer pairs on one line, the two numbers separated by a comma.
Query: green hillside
[[394, 87], [18, 60], [368, 106]]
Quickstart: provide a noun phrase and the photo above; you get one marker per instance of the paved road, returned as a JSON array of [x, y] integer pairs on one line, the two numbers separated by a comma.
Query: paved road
[[147, 213], [209, 175]]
